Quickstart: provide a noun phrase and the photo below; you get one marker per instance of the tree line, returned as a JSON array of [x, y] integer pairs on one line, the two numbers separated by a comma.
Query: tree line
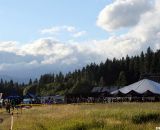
[[115, 72]]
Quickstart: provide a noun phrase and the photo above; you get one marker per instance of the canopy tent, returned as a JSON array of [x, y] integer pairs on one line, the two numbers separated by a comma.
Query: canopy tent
[[13, 97], [105, 94], [103, 91], [149, 94], [133, 93], [29, 95], [141, 87], [97, 90], [118, 94]]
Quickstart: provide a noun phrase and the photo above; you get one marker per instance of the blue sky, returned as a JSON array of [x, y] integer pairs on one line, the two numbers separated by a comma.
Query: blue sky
[[21, 20], [46, 36]]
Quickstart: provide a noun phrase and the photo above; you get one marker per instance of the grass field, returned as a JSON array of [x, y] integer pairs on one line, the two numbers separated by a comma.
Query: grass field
[[116, 116]]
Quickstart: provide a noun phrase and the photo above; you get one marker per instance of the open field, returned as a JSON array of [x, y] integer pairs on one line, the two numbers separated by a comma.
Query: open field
[[116, 116]]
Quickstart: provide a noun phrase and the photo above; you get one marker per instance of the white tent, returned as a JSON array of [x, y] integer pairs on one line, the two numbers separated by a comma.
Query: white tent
[[141, 87]]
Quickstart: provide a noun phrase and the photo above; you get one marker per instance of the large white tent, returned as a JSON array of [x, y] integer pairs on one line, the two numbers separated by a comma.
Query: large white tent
[[141, 87]]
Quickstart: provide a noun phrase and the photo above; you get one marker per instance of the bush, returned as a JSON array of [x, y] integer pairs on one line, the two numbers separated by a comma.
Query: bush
[[144, 118]]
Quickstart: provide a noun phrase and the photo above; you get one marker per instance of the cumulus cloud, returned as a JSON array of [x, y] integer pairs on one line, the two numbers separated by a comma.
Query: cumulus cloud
[[123, 13], [141, 16], [9, 46]]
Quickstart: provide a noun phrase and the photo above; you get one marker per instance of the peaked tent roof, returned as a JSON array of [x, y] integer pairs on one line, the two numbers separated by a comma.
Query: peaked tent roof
[[29, 95], [103, 89], [141, 87], [148, 93], [118, 94], [132, 93], [97, 89]]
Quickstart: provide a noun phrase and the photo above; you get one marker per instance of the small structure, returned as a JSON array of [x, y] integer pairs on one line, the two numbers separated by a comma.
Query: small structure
[[29, 99], [14, 98], [105, 91], [56, 99]]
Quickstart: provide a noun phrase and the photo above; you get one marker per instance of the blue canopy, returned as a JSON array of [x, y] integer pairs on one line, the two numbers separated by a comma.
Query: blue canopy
[[13, 97]]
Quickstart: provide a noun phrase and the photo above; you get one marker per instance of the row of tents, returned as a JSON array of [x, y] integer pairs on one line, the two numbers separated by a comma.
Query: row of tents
[[32, 99], [143, 87], [143, 90]]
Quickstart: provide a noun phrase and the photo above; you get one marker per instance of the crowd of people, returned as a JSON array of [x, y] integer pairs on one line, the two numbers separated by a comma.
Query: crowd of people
[[9, 105], [101, 99]]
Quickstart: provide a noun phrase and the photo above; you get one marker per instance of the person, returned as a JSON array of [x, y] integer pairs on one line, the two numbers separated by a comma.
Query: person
[[13, 104], [1, 103], [8, 107]]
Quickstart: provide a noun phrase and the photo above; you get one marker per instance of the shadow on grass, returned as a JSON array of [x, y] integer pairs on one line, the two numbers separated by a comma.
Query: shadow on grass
[[145, 118], [41, 126], [86, 126]]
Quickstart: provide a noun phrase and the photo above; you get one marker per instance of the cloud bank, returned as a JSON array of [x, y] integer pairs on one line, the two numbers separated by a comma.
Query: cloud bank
[[44, 55]]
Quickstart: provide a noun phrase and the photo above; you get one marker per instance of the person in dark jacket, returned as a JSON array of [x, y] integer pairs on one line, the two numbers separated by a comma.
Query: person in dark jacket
[[8, 107]]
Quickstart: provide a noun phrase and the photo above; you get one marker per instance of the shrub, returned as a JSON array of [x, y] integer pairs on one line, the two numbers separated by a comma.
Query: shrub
[[144, 118]]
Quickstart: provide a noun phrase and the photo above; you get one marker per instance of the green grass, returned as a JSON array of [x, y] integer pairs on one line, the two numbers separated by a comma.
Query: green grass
[[116, 116]]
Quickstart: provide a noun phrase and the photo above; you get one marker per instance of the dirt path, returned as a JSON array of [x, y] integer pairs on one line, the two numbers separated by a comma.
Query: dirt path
[[4, 120]]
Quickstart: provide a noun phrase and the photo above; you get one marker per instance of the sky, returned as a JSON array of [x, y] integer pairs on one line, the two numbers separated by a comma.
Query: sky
[[46, 36]]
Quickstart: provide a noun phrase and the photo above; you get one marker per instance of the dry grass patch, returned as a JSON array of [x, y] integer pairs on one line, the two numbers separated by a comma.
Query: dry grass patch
[[116, 116]]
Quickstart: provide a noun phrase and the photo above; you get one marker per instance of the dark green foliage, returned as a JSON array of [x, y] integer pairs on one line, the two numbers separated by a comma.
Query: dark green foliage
[[11, 88], [81, 87], [145, 118], [122, 81]]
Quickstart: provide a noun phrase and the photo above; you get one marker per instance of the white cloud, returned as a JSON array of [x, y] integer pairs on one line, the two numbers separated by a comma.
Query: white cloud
[[70, 61], [143, 19], [123, 13], [58, 29], [79, 34], [53, 30], [70, 29], [64, 29], [9, 46]]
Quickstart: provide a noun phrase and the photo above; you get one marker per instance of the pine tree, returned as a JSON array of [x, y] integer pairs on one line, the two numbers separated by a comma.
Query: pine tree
[[30, 82], [148, 60], [122, 79]]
